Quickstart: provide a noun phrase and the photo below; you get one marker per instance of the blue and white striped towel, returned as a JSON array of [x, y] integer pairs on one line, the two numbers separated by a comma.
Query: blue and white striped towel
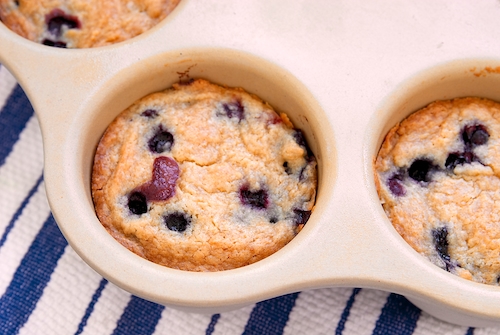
[[45, 288]]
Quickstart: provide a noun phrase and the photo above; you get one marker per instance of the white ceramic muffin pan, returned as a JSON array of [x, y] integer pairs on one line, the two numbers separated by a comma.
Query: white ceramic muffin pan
[[344, 71]]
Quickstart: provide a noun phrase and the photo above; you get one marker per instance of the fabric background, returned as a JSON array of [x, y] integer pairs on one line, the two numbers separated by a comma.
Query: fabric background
[[45, 288]]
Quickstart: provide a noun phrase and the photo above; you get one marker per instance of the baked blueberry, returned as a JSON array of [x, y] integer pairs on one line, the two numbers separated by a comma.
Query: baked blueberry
[[163, 182], [257, 199], [177, 221], [396, 186], [137, 203], [453, 160], [275, 119], [475, 135], [299, 137], [150, 113], [440, 238], [420, 170], [301, 216], [459, 158], [161, 141], [57, 19], [233, 109], [57, 44]]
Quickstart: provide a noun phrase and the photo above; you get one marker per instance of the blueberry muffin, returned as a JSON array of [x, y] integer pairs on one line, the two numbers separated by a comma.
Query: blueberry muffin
[[82, 23], [438, 177], [202, 177]]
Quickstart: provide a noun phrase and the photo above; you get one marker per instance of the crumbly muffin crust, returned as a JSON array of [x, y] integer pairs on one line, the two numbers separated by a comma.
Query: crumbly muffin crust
[[83, 23], [438, 178], [201, 177]]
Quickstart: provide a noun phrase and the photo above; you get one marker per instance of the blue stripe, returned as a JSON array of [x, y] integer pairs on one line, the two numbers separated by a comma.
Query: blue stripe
[[20, 210], [398, 317], [270, 316], [140, 317], [346, 312], [90, 307], [31, 277], [13, 118], [211, 326], [470, 331]]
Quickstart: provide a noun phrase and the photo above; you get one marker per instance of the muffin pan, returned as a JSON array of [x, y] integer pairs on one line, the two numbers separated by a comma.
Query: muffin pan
[[345, 73]]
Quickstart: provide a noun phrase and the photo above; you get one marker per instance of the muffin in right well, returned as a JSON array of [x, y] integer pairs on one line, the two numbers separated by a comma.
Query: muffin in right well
[[438, 178]]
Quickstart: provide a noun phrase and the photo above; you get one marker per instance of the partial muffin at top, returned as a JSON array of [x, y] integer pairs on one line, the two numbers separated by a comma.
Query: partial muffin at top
[[83, 23]]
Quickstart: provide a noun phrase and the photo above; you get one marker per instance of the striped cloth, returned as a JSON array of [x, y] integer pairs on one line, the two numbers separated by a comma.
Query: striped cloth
[[45, 288]]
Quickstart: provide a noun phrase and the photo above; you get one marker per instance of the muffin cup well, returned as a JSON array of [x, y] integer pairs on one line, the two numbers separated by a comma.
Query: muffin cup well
[[74, 119], [460, 301]]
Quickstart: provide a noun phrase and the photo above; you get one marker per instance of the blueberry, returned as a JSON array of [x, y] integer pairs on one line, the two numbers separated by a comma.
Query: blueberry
[[137, 203], [459, 158], [161, 141], [233, 110], [299, 137], [257, 199], [57, 44], [420, 170], [275, 119], [301, 173], [163, 181], [474, 135], [177, 221], [57, 18], [454, 159], [150, 113], [440, 238], [301, 216], [396, 186]]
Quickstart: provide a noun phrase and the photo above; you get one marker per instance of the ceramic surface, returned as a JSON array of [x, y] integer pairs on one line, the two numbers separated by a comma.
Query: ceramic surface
[[344, 71]]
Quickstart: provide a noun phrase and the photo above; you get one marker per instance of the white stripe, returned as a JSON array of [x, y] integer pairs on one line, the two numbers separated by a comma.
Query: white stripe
[[65, 298], [487, 331], [107, 311], [20, 172], [427, 324], [175, 322], [365, 312], [22, 235], [7, 84], [233, 322], [317, 311]]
